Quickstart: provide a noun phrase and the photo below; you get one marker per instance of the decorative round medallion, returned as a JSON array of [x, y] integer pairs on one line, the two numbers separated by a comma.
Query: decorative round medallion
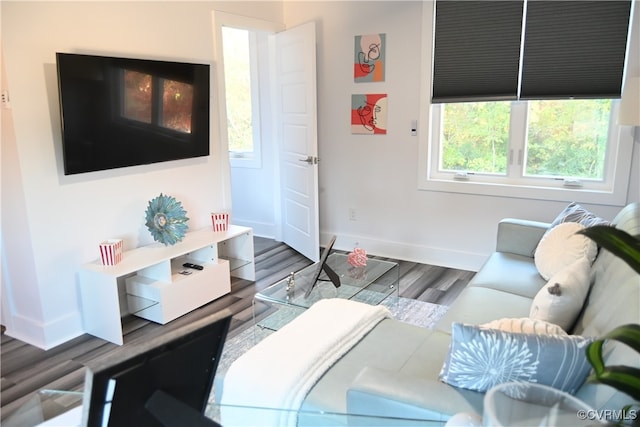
[[166, 220]]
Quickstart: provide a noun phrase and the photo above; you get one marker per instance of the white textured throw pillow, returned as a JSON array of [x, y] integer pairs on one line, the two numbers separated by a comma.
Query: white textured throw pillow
[[561, 247], [525, 325], [561, 299]]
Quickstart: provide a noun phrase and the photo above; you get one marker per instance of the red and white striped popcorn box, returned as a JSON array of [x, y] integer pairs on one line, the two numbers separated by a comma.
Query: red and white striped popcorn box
[[111, 251], [220, 221]]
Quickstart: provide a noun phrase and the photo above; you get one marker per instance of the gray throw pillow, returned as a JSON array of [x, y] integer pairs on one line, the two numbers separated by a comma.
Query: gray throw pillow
[[481, 358], [576, 213]]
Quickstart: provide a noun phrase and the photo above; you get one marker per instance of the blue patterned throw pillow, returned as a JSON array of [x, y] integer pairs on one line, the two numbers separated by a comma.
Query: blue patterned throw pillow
[[480, 358]]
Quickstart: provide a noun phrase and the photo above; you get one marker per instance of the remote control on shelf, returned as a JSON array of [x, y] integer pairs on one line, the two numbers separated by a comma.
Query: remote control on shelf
[[194, 266]]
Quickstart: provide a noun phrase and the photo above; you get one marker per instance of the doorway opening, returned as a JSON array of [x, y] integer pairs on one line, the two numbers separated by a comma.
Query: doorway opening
[[268, 125]]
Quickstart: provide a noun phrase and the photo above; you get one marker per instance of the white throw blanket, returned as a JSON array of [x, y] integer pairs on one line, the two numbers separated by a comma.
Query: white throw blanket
[[280, 370]]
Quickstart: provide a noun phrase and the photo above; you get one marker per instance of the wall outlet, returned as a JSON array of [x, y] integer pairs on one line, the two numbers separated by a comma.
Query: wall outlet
[[4, 98], [352, 214]]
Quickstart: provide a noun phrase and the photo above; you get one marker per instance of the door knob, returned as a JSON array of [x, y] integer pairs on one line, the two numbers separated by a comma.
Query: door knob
[[312, 160]]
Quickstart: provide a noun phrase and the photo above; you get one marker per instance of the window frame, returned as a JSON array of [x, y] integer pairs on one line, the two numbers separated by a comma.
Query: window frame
[[613, 191]]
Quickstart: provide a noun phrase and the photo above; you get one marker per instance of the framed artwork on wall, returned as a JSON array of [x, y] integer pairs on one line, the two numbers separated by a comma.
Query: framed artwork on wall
[[369, 58], [369, 114]]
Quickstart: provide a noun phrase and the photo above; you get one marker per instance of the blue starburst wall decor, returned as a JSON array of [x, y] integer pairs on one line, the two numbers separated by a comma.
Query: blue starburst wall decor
[[166, 220]]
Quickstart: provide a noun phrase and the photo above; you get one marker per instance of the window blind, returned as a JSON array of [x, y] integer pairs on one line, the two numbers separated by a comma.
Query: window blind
[[477, 50], [536, 49], [574, 49]]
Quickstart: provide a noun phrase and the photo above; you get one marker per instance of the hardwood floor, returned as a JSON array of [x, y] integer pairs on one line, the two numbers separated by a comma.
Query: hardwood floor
[[26, 369]]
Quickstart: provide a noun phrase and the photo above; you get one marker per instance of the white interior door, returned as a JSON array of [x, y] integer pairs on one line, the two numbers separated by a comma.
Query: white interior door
[[295, 97]]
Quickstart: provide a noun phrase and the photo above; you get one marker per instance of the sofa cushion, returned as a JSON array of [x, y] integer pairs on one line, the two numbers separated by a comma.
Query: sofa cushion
[[508, 272], [480, 358], [525, 325], [615, 287], [388, 346], [612, 301], [477, 305], [397, 395], [576, 213], [561, 247], [561, 300]]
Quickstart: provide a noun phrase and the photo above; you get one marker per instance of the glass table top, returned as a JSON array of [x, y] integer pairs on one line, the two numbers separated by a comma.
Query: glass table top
[[257, 416], [371, 283], [55, 408]]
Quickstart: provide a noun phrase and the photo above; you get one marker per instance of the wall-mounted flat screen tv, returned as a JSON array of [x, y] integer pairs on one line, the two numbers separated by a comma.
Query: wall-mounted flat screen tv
[[119, 112]]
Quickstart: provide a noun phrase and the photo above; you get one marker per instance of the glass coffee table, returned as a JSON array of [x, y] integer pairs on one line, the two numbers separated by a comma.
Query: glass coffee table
[[48, 408], [370, 284], [56, 408], [260, 416]]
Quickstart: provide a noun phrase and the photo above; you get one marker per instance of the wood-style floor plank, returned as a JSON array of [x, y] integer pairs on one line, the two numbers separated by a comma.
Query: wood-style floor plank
[[25, 369]]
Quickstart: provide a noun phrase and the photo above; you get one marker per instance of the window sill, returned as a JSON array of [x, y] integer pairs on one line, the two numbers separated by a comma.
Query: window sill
[[614, 194], [618, 197]]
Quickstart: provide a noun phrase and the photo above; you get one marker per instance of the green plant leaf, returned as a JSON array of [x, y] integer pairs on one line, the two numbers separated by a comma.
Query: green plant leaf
[[594, 356], [618, 242], [628, 334], [623, 378]]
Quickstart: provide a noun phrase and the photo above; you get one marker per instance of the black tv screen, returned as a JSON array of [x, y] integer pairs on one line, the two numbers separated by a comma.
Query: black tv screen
[[161, 382], [119, 112]]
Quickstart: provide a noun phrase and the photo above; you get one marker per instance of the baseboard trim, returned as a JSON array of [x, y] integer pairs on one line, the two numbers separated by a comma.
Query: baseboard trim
[[462, 260], [261, 229], [45, 335]]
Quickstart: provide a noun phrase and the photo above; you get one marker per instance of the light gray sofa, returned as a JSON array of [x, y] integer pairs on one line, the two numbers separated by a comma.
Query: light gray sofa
[[394, 370]]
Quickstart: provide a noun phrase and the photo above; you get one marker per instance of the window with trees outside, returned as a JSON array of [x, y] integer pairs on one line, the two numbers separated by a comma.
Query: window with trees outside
[[241, 86], [564, 140], [541, 128], [529, 145]]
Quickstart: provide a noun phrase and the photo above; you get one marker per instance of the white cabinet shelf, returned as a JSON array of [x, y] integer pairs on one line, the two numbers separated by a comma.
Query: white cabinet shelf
[[152, 283]]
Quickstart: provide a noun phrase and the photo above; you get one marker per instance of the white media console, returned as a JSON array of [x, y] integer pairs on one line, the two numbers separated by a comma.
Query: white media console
[[151, 281]]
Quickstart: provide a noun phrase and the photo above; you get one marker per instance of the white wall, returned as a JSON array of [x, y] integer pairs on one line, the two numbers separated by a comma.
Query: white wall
[[377, 175], [52, 223]]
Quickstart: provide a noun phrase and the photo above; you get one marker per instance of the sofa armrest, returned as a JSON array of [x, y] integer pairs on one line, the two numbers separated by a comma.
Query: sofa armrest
[[520, 236], [383, 393]]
